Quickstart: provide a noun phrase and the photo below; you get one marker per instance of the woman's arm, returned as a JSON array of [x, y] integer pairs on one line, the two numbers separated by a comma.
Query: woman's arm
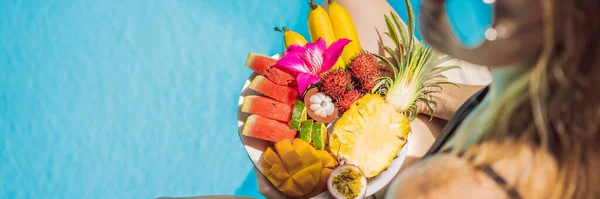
[[448, 101]]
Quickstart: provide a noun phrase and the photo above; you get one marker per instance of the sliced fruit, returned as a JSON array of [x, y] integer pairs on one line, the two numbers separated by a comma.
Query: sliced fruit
[[299, 171], [298, 115], [284, 94], [306, 130], [320, 102], [374, 129], [267, 107], [271, 157], [347, 182], [267, 129], [288, 152], [327, 159], [263, 65], [322, 184], [370, 134], [319, 135]]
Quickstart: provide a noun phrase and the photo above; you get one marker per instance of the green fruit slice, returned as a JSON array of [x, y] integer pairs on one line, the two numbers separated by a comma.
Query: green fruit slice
[[306, 128], [298, 115], [319, 135]]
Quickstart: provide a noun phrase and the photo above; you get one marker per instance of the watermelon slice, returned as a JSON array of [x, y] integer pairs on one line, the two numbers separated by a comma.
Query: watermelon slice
[[280, 93], [267, 129], [267, 107], [263, 65]]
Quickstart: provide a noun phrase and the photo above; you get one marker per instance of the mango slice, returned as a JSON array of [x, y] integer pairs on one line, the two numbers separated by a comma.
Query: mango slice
[[327, 159], [271, 157]]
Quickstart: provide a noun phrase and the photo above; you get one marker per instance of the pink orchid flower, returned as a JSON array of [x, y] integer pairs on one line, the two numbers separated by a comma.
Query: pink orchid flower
[[311, 60]]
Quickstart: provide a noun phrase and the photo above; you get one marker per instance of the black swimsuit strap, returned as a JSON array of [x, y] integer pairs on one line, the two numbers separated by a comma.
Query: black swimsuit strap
[[490, 172], [456, 120]]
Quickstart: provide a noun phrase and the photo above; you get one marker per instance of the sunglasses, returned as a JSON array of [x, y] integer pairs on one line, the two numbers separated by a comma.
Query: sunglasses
[[474, 22], [470, 20]]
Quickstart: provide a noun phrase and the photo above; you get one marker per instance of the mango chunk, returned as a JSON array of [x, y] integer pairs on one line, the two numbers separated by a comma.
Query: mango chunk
[[271, 157], [327, 159]]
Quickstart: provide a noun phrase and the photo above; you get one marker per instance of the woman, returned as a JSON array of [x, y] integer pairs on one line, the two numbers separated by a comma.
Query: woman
[[534, 133], [368, 17]]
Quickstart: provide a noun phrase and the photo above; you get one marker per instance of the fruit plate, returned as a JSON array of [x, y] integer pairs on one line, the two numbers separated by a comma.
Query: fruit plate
[[256, 147]]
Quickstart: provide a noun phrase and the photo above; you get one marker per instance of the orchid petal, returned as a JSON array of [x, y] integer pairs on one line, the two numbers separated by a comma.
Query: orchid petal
[[333, 53], [295, 49], [304, 80], [313, 55], [318, 47], [292, 62]]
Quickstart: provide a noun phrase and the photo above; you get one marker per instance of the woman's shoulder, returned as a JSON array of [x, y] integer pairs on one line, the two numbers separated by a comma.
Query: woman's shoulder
[[468, 73]]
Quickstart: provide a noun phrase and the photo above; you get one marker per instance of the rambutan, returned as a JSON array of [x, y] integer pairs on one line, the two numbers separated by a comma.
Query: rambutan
[[369, 81], [347, 99], [364, 64], [336, 83]]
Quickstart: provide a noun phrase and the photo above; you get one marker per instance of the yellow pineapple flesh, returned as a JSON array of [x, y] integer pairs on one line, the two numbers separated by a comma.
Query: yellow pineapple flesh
[[375, 128], [370, 134]]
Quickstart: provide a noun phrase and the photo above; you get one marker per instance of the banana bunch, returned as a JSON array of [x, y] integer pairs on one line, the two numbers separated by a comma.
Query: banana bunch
[[330, 26], [344, 28]]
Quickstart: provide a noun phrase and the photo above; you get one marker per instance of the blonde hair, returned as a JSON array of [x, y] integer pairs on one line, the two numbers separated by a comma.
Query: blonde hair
[[555, 105]]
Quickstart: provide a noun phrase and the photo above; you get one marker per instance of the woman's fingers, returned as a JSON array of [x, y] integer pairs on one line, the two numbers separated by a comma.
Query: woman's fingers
[[265, 187], [422, 108]]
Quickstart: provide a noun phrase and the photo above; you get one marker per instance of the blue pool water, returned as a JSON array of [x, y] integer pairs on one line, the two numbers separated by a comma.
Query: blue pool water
[[130, 99]]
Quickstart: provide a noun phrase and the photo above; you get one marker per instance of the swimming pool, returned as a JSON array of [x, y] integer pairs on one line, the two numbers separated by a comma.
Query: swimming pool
[[130, 99]]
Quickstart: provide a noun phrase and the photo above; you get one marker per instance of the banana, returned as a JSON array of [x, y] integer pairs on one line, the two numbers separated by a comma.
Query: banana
[[291, 38], [343, 27], [319, 26]]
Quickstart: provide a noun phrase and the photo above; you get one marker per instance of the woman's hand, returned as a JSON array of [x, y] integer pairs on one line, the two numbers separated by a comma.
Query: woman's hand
[[265, 187], [447, 101]]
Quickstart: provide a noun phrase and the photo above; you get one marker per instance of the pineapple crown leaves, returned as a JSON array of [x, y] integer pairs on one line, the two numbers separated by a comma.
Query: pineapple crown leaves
[[415, 67]]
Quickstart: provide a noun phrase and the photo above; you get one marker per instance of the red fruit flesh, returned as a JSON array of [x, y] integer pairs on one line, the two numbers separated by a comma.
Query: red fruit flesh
[[267, 129], [263, 65], [267, 107], [280, 93]]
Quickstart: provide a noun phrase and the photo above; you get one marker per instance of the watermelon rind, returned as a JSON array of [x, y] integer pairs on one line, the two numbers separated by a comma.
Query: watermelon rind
[[250, 58], [249, 122]]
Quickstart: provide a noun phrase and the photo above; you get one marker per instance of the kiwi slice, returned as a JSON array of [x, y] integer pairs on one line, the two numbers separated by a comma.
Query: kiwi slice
[[319, 135], [298, 115]]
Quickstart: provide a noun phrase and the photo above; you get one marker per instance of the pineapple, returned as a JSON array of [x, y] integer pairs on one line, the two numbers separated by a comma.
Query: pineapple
[[374, 129]]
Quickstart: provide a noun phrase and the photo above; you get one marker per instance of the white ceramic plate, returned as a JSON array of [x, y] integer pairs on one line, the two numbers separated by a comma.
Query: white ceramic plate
[[256, 147]]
